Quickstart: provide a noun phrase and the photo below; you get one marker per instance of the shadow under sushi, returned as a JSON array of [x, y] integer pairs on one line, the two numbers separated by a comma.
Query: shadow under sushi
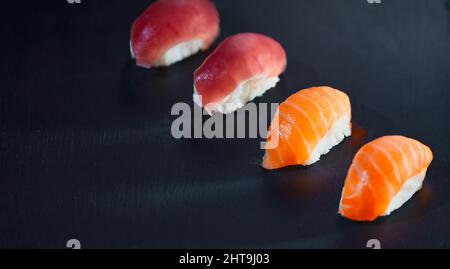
[[236, 148], [310, 195], [331, 167], [306, 197], [424, 201], [156, 90], [402, 226]]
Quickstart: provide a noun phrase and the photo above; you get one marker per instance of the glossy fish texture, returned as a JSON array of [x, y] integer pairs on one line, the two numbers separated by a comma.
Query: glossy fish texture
[[237, 59], [166, 23], [304, 121], [380, 171]]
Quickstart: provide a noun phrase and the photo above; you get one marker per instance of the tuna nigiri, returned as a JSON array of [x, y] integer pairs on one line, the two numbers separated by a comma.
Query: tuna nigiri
[[169, 31], [384, 174], [308, 124], [242, 67]]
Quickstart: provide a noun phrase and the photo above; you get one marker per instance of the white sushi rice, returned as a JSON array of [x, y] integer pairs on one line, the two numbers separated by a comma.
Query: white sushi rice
[[180, 52], [244, 92], [340, 129], [411, 186], [177, 53]]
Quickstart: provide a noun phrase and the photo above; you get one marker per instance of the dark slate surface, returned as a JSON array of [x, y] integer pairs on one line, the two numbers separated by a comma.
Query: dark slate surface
[[86, 150]]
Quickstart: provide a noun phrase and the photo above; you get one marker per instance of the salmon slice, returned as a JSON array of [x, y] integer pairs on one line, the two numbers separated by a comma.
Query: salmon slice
[[308, 124], [384, 174], [241, 68], [171, 30]]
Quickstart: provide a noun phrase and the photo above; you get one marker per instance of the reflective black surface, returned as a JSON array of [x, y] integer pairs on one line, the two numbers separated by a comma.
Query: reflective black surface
[[86, 150]]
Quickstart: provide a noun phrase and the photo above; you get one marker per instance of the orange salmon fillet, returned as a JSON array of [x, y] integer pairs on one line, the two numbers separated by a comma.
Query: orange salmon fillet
[[378, 172], [301, 122]]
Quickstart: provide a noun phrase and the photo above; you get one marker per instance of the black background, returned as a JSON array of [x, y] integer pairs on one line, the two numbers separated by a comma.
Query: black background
[[86, 150]]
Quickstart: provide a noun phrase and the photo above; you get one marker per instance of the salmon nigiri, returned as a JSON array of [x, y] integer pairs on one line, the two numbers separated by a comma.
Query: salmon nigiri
[[242, 67], [384, 174], [307, 125], [170, 30]]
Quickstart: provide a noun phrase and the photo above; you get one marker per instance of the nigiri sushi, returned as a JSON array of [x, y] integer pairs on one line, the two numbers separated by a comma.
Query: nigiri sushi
[[308, 124], [169, 31], [242, 67], [384, 174]]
